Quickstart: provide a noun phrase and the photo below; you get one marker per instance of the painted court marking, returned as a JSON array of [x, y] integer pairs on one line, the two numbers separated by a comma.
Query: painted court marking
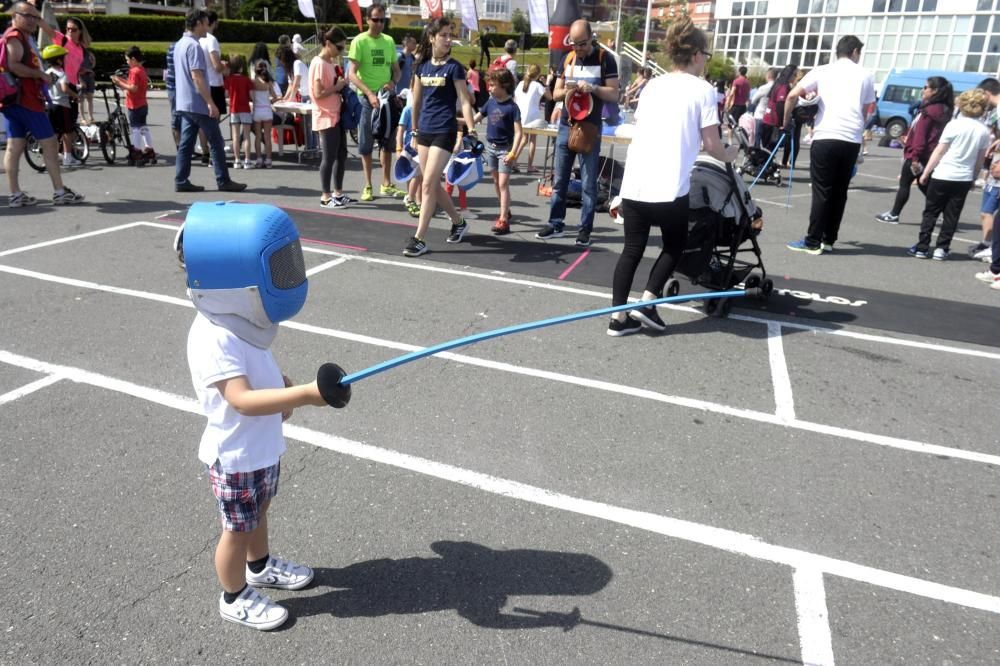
[[815, 642], [577, 262], [714, 537]]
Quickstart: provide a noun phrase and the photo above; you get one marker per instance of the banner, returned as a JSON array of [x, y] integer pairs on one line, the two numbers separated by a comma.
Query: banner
[[470, 18], [356, 12], [431, 9], [538, 12], [306, 9]]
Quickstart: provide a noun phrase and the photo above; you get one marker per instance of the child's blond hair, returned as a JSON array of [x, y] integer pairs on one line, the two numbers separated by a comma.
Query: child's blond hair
[[973, 103]]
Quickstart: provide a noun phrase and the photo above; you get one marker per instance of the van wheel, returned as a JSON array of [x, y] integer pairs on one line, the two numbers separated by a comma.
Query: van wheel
[[896, 128]]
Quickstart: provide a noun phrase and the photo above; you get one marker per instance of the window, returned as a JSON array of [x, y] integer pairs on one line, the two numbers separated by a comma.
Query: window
[[826, 44], [994, 46], [982, 24], [812, 42], [927, 24], [972, 63], [797, 42], [878, 6], [909, 24], [497, 8], [976, 43], [985, 5], [954, 62], [783, 42], [830, 25], [874, 43], [847, 26], [803, 7], [758, 42], [761, 8], [800, 25], [912, 5], [905, 43], [737, 9], [923, 43], [895, 6], [901, 94], [930, 5], [748, 9], [889, 42], [824, 59], [991, 63], [816, 7], [832, 6], [758, 25]]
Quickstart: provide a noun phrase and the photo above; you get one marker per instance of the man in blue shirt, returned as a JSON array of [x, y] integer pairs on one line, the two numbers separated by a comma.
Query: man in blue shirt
[[196, 109]]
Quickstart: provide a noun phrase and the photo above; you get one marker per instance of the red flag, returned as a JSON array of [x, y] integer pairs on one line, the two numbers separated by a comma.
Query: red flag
[[431, 9], [356, 11]]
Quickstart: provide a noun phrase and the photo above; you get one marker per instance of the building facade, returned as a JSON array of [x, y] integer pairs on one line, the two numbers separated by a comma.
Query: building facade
[[954, 35]]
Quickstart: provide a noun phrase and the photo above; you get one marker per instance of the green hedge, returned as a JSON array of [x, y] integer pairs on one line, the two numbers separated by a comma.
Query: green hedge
[[108, 60], [170, 28], [497, 39]]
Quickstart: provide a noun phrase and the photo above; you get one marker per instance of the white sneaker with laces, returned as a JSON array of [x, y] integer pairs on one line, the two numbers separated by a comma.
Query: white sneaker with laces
[[70, 161], [989, 277], [985, 254], [282, 574], [67, 196], [253, 609]]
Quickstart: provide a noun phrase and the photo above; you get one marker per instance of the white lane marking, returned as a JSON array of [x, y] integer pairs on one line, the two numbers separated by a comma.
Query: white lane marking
[[713, 537], [69, 239], [871, 175], [322, 267], [815, 642], [773, 203], [882, 339], [752, 415], [28, 389], [784, 403]]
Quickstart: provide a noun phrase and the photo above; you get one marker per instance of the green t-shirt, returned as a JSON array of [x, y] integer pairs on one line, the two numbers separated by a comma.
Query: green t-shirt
[[373, 58]]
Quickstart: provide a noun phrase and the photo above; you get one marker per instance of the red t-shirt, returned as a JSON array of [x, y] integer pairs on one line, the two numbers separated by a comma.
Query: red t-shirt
[[137, 77], [741, 91], [31, 97], [238, 87]]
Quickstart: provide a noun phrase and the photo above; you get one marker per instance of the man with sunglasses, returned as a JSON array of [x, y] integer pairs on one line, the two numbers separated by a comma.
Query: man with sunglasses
[[585, 70], [26, 112], [373, 67]]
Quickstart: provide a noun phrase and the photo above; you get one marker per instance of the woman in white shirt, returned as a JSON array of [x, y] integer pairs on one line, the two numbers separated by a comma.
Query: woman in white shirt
[[677, 113], [528, 96]]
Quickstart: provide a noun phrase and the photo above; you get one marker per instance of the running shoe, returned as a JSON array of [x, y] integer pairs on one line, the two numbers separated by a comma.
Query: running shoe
[[800, 246], [501, 227], [21, 199], [366, 194], [67, 196], [887, 217], [583, 238], [649, 317], [916, 252], [458, 231], [415, 247], [390, 190], [550, 232], [940, 254], [989, 277], [617, 329]]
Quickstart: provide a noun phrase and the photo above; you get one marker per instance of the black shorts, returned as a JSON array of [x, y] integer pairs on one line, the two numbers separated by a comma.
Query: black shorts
[[444, 140], [61, 118], [219, 98], [137, 117]]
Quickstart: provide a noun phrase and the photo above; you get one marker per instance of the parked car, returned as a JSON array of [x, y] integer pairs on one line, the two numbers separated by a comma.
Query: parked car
[[902, 89]]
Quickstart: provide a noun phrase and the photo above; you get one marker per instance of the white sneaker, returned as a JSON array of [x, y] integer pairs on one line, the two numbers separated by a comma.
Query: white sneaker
[[940, 254], [67, 196], [253, 609], [70, 161], [282, 574], [989, 277], [986, 254], [247, 164]]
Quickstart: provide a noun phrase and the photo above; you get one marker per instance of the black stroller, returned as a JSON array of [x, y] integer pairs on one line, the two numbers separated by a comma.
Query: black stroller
[[723, 223], [754, 159]]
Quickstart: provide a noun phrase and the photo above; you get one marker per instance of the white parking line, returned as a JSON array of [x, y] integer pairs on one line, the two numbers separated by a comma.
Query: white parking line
[[68, 239], [322, 267], [815, 641], [28, 389], [706, 535], [703, 405], [784, 405]]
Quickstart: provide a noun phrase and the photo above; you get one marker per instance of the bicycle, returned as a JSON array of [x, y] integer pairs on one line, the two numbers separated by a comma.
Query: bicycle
[[33, 149], [115, 130]]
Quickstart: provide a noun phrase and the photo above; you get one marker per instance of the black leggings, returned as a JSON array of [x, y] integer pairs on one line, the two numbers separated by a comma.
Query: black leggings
[[334, 147], [640, 216], [947, 197], [906, 179]]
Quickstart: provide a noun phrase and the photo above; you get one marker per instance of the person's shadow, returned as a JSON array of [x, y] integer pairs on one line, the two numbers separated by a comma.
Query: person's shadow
[[474, 580]]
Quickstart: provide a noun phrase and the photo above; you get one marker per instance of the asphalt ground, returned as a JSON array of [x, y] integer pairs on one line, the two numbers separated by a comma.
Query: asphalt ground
[[811, 484]]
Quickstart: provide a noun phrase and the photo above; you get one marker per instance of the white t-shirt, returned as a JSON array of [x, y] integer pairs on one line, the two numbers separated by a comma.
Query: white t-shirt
[[672, 111], [301, 70], [528, 102], [239, 443], [966, 138], [760, 99], [844, 88], [209, 44]]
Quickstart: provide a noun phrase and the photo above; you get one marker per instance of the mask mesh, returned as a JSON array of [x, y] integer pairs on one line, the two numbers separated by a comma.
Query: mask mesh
[[288, 267]]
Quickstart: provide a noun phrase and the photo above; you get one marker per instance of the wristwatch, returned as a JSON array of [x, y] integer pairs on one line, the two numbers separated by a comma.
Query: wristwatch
[[414, 132]]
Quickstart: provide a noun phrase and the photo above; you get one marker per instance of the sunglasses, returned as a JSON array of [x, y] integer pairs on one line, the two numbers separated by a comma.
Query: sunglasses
[[708, 56], [376, 20]]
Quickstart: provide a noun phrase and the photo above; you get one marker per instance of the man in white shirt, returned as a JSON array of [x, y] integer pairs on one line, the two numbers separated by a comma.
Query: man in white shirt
[[846, 95], [213, 72], [759, 105]]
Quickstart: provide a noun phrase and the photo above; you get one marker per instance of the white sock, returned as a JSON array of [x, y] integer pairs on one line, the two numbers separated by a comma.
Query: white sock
[[147, 137]]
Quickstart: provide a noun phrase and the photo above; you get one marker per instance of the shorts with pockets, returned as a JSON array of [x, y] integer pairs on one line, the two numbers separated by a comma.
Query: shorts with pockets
[[495, 152], [21, 121], [991, 200], [242, 494]]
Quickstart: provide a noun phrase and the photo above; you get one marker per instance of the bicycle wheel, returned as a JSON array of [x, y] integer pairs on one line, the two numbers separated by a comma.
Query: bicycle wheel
[[109, 147], [33, 153], [81, 147]]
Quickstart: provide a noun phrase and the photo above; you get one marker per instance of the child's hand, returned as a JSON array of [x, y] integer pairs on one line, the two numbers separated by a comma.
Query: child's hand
[[399, 148]]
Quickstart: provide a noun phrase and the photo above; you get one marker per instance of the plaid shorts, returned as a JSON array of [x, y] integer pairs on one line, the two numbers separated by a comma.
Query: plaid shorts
[[241, 495]]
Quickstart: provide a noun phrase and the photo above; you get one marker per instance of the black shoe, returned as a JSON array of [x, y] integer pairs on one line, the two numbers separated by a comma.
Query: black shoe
[[549, 232], [415, 247], [457, 232], [232, 186], [205, 160], [583, 238], [649, 317], [617, 329], [188, 187]]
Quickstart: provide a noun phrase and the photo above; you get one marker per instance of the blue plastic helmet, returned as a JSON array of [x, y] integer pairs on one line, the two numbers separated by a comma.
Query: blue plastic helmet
[[465, 169], [244, 259], [407, 165]]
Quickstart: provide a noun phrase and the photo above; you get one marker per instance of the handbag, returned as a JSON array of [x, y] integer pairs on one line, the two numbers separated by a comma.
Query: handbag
[[582, 136], [350, 110]]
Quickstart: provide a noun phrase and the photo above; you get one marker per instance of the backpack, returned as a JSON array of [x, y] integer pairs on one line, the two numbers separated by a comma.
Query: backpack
[[350, 110], [499, 63], [8, 82]]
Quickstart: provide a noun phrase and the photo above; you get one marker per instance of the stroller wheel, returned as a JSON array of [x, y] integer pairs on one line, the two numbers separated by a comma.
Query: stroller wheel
[[718, 307], [777, 180], [752, 282], [766, 287], [672, 288]]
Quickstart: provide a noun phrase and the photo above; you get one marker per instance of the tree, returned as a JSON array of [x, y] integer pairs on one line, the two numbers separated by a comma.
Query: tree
[[277, 10], [630, 25], [520, 22], [720, 69]]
